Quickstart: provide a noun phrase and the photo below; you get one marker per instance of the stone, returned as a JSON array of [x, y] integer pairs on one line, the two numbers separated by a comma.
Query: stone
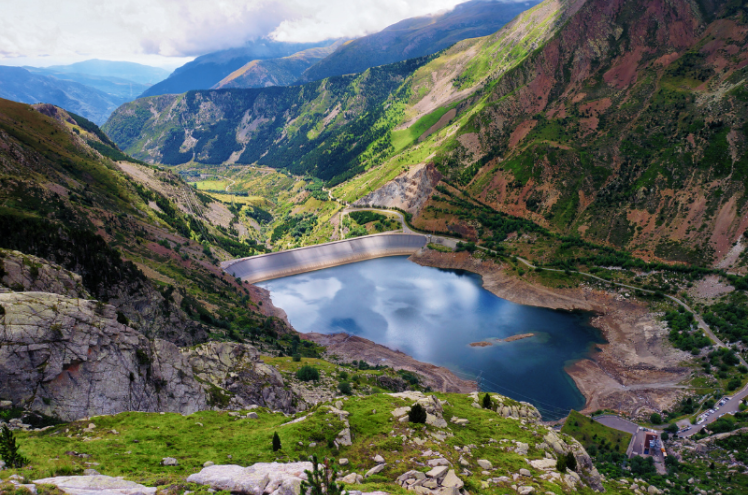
[[169, 461], [522, 448], [400, 412], [6, 404], [351, 479], [375, 470], [252, 415], [379, 459], [437, 472], [543, 464], [339, 404], [525, 490], [436, 421], [344, 438], [275, 477], [485, 464], [91, 485], [208, 464], [653, 490], [525, 472], [438, 462], [451, 480], [343, 461]]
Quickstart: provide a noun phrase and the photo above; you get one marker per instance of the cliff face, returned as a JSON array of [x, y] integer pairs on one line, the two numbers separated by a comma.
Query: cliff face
[[409, 191], [71, 358]]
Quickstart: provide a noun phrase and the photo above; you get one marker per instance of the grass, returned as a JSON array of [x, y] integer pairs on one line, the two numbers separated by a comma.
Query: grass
[[589, 433]]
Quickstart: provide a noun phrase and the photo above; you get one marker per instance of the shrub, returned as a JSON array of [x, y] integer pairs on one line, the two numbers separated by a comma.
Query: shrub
[[345, 388], [297, 358], [733, 384], [321, 481], [276, 442], [9, 450], [417, 414], [665, 436], [307, 373], [571, 461], [671, 428], [486, 401], [656, 419]]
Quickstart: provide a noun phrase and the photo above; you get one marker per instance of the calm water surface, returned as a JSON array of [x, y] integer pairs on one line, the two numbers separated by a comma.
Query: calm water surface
[[433, 315]]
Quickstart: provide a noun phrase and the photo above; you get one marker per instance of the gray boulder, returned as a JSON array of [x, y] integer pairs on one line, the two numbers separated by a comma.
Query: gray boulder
[[96, 485]]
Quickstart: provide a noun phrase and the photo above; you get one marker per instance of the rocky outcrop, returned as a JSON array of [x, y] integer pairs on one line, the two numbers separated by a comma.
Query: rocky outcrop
[[409, 191], [91, 485], [71, 358], [271, 478], [21, 272]]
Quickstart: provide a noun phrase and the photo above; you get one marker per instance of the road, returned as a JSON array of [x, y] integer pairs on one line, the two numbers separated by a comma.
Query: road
[[732, 406]]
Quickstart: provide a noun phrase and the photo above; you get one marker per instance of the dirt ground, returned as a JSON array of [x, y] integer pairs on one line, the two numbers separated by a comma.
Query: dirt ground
[[636, 372]]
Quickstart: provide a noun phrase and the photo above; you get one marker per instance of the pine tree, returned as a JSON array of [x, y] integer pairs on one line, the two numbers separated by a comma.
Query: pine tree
[[417, 414], [486, 401], [276, 442], [321, 481], [9, 450]]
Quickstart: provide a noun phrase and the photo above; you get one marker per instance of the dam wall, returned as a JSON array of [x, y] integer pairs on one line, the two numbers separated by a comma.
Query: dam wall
[[301, 260]]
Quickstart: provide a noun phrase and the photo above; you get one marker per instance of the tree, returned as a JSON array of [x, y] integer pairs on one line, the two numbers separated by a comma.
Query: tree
[[321, 481], [417, 414], [345, 388], [9, 450], [665, 436], [307, 373], [276, 442], [656, 419], [672, 428], [296, 358], [571, 462], [486, 401]]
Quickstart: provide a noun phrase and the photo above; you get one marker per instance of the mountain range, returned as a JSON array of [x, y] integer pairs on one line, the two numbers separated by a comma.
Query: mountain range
[[580, 115]]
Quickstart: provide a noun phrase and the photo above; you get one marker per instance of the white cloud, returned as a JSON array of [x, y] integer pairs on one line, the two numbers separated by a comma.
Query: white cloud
[[152, 31]]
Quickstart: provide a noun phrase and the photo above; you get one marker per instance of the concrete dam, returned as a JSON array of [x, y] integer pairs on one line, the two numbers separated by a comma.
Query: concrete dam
[[306, 259]]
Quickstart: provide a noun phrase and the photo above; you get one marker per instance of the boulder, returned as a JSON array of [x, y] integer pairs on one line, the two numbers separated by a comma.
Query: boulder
[[543, 464], [485, 464], [92, 485], [344, 438], [438, 472], [352, 479], [169, 461], [375, 470], [379, 459], [525, 472], [343, 461], [279, 478], [452, 481], [525, 490], [252, 415]]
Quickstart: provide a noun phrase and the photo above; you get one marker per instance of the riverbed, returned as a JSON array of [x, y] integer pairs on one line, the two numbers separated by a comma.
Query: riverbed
[[434, 315]]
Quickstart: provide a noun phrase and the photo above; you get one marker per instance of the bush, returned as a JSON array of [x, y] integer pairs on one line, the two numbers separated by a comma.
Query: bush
[[665, 436], [307, 373], [733, 384], [276, 442], [297, 358], [671, 428], [9, 450], [656, 419], [345, 388], [417, 414], [486, 401]]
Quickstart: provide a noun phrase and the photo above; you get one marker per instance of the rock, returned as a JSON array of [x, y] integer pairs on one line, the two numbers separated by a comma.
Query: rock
[[379, 459], [438, 472], [525, 472], [169, 461], [375, 470], [91, 472], [339, 404], [91, 485], [6, 404], [543, 464], [252, 415], [400, 412], [653, 490], [452, 481], [485, 464], [352, 479], [438, 462], [208, 464], [343, 461], [277, 478], [344, 438], [525, 490], [522, 448]]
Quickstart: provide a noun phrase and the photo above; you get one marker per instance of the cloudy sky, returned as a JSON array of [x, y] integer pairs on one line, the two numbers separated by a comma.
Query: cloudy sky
[[170, 32]]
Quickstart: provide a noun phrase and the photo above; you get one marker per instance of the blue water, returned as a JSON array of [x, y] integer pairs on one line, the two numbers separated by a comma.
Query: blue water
[[433, 315]]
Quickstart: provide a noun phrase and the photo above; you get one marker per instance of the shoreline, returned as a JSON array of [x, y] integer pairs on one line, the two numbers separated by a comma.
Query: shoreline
[[636, 372]]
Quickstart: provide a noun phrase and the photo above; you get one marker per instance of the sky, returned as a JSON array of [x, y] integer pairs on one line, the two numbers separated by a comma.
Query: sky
[[169, 33]]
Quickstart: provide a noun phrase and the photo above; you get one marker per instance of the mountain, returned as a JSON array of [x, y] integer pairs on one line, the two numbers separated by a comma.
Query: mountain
[[129, 71], [418, 37], [208, 70], [588, 118], [121, 88], [276, 71], [21, 85]]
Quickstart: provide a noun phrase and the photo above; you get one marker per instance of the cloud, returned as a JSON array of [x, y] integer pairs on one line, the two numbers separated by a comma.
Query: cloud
[[143, 29]]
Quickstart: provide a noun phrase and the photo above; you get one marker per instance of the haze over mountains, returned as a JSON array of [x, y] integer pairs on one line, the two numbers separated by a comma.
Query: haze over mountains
[[93, 88]]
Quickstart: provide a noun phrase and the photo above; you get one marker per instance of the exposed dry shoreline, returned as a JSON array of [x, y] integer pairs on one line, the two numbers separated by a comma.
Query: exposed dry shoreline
[[346, 348], [636, 372]]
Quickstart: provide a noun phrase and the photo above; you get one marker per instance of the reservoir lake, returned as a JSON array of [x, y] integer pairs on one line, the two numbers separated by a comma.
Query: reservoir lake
[[434, 315]]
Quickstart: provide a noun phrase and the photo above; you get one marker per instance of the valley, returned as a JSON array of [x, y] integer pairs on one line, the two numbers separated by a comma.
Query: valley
[[498, 249]]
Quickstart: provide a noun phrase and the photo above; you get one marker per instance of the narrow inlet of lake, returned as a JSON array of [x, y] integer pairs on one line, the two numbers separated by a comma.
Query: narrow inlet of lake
[[434, 315]]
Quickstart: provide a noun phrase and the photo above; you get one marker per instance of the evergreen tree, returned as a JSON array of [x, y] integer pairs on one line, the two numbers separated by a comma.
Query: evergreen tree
[[417, 414], [276, 442], [486, 401], [321, 481], [9, 450]]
